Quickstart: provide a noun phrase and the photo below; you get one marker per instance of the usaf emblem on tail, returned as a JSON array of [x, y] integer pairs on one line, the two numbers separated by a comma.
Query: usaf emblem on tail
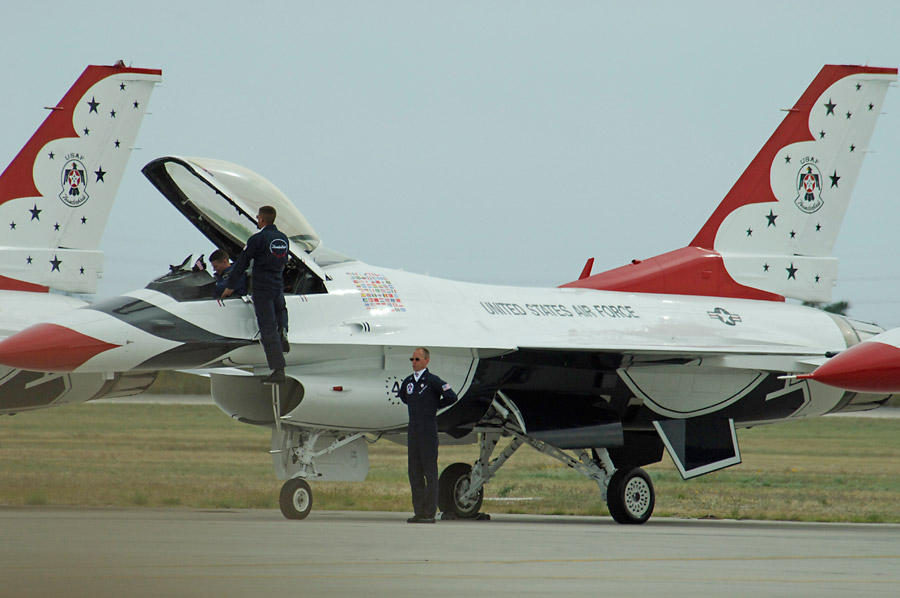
[[74, 183], [809, 187]]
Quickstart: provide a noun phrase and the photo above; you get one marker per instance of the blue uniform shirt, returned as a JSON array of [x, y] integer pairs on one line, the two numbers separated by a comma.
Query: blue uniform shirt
[[269, 251], [423, 398]]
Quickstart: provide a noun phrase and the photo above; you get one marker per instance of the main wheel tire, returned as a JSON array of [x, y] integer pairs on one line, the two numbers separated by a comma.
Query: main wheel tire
[[295, 499], [630, 496], [452, 485]]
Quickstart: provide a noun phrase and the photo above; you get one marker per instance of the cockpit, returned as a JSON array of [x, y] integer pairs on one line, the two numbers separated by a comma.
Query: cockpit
[[221, 200]]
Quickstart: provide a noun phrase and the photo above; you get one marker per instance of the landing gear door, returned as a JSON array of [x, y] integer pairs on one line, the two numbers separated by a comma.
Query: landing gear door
[[700, 445]]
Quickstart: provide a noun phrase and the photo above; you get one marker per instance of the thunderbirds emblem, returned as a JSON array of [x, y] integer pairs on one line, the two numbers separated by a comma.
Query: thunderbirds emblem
[[278, 248], [74, 183], [809, 187]]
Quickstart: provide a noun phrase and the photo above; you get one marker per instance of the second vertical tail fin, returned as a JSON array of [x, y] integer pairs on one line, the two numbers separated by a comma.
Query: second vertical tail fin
[[772, 235], [57, 193]]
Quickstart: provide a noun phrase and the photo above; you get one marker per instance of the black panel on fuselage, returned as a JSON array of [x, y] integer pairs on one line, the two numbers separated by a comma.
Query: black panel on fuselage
[[560, 388], [555, 391]]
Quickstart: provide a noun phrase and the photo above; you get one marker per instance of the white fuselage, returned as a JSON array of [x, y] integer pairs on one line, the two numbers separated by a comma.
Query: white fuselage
[[384, 307], [352, 343]]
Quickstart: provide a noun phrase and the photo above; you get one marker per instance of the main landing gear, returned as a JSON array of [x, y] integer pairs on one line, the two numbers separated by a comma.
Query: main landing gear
[[628, 492], [630, 496], [296, 451], [454, 498]]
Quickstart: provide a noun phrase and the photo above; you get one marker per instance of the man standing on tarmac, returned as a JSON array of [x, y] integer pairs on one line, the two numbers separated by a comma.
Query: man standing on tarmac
[[424, 393], [269, 251]]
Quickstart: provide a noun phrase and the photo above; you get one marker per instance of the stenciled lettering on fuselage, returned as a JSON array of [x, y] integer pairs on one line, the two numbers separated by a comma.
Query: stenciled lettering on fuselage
[[557, 310]]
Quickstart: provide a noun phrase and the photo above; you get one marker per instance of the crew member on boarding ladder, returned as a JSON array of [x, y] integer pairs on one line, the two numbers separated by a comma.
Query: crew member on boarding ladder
[[269, 251]]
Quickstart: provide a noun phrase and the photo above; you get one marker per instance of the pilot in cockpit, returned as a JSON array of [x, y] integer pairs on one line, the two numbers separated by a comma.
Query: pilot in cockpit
[[222, 266]]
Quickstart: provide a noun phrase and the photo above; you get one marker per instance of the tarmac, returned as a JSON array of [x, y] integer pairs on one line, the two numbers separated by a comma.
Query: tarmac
[[98, 552]]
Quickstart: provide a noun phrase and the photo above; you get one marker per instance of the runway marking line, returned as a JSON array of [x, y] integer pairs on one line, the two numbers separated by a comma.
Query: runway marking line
[[488, 562], [649, 577]]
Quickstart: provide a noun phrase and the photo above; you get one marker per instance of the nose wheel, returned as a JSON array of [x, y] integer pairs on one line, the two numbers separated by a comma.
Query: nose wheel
[[295, 499]]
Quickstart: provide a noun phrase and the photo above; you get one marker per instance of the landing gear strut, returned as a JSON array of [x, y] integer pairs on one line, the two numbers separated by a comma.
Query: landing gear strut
[[294, 455], [628, 492]]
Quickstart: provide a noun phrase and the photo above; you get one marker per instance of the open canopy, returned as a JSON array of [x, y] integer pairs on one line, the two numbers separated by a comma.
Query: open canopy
[[222, 199]]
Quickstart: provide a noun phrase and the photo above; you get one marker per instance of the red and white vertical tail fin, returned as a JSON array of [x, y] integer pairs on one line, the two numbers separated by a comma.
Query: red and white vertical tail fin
[[772, 235], [57, 193], [777, 226]]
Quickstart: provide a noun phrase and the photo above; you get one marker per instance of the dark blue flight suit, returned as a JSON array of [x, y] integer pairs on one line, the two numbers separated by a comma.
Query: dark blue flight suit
[[269, 251], [423, 399], [222, 278]]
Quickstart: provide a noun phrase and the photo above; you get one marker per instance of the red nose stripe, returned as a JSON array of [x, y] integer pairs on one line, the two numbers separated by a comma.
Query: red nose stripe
[[868, 367], [50, 348]]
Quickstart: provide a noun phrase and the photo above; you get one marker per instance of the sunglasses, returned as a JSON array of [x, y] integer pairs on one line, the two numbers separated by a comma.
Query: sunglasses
[[417, 359]]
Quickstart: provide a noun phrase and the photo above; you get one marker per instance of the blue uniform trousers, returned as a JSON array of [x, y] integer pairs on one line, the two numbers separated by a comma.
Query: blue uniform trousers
[[271, 315], [423, 471]]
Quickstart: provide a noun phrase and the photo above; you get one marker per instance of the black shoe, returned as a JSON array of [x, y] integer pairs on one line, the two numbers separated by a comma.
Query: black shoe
[[414, 519], [426, 520], [276, 377], [285, 345]]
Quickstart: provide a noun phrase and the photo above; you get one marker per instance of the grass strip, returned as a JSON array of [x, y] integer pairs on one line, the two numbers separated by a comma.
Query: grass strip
[[823, 469]]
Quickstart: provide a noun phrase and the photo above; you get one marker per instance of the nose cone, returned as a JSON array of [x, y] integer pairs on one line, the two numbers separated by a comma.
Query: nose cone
[[868, 367], [50, 348]]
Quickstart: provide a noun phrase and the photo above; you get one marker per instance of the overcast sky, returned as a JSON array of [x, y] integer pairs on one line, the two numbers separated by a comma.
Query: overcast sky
[[496, 142]]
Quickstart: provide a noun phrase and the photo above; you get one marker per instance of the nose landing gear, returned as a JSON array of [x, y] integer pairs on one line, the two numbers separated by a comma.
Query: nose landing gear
[[295, 499]]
